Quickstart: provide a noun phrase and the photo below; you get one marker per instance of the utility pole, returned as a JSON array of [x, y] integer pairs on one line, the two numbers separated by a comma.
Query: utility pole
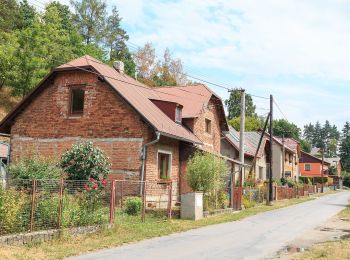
[[241, 137], [322, 150], [271, 146], [283, 155]]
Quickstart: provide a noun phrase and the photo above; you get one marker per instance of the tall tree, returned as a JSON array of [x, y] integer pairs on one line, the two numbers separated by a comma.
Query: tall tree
[[233, 104], [309, 132], [282, 127], [9, 15], [115, 42], [317, 136], [156, 72], [345, 146], [27, 15], [90, 19]]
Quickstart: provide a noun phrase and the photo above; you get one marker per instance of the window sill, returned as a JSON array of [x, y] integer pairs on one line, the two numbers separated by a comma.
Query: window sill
[[75, 116], [160, 181]]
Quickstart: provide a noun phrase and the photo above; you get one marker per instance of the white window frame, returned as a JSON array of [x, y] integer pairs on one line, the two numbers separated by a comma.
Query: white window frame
[[171, 162], [305, 167], [178, 114]]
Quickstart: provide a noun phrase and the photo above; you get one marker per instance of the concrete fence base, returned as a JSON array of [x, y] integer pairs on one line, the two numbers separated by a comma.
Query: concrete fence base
[[47, 235]]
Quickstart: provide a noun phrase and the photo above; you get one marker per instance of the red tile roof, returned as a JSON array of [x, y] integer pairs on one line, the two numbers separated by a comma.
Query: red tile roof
[[134, 92], [193, 98]]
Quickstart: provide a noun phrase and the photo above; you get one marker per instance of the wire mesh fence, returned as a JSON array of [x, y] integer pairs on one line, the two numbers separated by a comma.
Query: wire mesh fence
[[33, 205]]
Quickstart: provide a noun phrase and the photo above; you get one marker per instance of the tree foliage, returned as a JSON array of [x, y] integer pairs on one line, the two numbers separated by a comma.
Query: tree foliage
[[323, 136], [233, 104], [35, 167], [251, 123], [282, 127], [84, 161], [345, 147], [156, 72], [206, 172], [32, 42]]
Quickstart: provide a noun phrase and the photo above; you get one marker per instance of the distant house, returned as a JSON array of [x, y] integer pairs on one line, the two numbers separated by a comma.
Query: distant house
[[148, 133], [285, 157], [311, 166], [337, 164], [230, 147]]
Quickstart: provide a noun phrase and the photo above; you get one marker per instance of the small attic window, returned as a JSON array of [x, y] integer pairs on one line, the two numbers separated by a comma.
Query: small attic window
[[178, 115], [77, 101]]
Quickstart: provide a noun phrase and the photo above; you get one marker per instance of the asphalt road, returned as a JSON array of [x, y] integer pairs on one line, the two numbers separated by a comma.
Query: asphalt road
[[256, 237]]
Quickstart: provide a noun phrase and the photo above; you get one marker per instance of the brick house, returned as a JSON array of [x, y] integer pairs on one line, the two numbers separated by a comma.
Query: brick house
[[147, 133]]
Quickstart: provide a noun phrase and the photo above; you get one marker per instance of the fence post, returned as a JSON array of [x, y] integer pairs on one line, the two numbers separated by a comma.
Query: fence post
[[112, 203], [32, 213], [60, 200], [276, 193], [143, 213], [122, 194], [170, 199]]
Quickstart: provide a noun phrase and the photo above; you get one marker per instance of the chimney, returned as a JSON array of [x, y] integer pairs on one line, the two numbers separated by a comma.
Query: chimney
[[118, 66]]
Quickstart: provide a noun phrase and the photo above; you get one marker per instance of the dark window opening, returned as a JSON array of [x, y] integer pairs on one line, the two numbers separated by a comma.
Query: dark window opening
[[77, 101], [208, 126], [164, 166], [307, 167]]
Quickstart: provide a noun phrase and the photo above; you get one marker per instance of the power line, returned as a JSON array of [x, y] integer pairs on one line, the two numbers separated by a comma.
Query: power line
[[278, 107]]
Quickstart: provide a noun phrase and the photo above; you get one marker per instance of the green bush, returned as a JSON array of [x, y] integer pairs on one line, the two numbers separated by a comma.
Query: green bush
[[83, 161], [133, 206], [346, 179], [46, 211], [247, 203], [218, 200], [206, 172], [35, 167], [14, 211]]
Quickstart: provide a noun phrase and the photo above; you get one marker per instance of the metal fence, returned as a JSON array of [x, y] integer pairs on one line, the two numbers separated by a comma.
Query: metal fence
[[33, 205], [256, 195]]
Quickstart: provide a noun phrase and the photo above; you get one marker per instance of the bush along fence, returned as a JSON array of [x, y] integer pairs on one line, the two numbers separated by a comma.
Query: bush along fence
[[36, 205]]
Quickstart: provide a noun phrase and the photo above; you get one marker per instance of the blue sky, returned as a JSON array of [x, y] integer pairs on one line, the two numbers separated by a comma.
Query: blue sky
[[297, 50]]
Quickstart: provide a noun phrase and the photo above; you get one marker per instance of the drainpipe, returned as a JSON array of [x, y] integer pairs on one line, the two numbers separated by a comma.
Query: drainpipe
[[144, 152]]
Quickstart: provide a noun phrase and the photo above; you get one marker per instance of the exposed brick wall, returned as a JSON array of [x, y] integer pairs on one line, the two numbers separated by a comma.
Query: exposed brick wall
[[45, 126], [211, 141]]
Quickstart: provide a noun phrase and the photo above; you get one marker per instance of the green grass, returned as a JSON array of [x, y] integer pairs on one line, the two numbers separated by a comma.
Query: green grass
[[128, 230]]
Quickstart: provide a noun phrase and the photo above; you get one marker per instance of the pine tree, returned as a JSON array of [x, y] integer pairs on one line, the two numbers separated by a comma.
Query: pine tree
[[234, 105], [345, 146]]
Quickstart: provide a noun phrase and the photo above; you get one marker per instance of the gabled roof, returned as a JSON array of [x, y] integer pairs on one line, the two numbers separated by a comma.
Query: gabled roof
[[305, 155], [251, 141], [194, 99], [279, 142], [133, 92]]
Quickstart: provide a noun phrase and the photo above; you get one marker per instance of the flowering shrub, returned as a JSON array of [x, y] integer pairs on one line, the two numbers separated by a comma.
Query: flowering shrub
[[94, 191], [83, 161]]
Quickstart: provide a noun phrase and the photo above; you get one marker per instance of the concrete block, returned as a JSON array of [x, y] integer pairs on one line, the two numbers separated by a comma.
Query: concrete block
[[192, 205]]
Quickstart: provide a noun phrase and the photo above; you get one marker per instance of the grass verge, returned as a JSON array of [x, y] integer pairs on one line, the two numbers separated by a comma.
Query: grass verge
[[126, 232]]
